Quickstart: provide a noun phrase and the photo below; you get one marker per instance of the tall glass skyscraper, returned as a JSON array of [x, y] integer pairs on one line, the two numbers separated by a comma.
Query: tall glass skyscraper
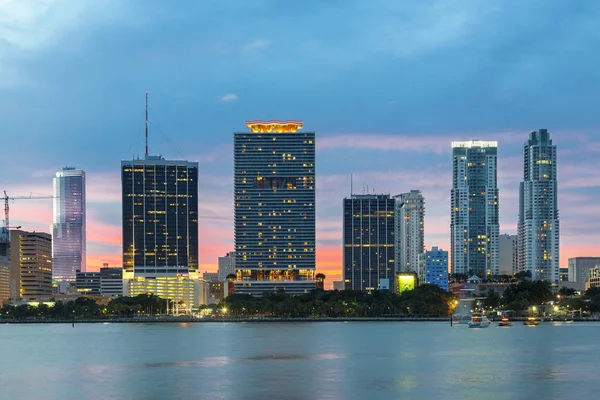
[[474, 224], [68, 228], [274, 208], [369, 242], [539, 234], [410, 230], [160, 229]]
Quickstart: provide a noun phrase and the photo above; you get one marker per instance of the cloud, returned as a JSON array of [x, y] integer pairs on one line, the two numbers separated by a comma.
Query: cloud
[[229, 97], [257, 45]]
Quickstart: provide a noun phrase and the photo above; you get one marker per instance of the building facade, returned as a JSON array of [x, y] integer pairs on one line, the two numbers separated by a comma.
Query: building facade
[[69, 225], [111, 281], [594, 278], [474, 223], [410, 230], [539, 230], [160, 229], [579, 269], [31, 264], [226, 266], [88, 283], [433, 267], [368, 242], [508, 254], [274, 208]]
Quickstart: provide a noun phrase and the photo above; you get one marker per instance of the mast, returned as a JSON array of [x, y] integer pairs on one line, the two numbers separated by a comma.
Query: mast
[[146, 124]]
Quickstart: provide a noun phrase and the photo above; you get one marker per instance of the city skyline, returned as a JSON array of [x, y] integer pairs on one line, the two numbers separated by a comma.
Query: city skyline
[[371, 104]]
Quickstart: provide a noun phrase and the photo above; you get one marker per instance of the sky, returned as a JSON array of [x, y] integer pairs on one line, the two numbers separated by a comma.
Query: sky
[[386, 86]]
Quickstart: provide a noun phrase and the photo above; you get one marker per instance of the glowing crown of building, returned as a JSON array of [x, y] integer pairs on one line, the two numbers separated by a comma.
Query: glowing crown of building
[[274, 126]]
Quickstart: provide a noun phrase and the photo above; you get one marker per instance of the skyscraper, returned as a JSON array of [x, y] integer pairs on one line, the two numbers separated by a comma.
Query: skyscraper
[[369, 242], [410, 235], [508, 254], [68, 228], [160, 229], [538, 226], [474, 226], [31, 263], [274, 208]]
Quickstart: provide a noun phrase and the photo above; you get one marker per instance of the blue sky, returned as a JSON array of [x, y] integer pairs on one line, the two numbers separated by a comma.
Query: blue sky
[[387, 85]]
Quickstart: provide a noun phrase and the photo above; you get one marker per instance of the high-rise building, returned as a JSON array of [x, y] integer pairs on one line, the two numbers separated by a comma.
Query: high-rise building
[[410, 233], [508, 254], [226, 266], [31, 263], [433, 267], [474, 224], [579, 269], [4, 278], [538, 225], [68, 228], [368, 235], [160, 229], [274, 208]]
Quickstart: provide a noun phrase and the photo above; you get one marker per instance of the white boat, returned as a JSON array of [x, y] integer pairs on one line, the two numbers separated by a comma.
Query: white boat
[[479, 320]]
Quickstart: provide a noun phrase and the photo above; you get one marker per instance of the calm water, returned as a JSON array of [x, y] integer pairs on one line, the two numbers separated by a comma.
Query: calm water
[[337, 360]]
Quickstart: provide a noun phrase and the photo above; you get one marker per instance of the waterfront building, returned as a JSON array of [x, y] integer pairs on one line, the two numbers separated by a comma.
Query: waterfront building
[[274, 208], [338, 285], [579, 270], [410, 232], [69, 225], [538, 227], [594, 278], [433, 267], [111, 281], [4, 279], [406, 281], [508, 254], [368, 242], [31, 264], [88, 283], [226, 266], [160, 229], [474, 224]]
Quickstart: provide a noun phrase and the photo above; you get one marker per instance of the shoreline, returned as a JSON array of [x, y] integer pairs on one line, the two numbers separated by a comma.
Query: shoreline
[[159, 320]]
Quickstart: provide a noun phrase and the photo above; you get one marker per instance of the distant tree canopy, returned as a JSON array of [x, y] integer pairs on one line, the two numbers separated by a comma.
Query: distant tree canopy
[[423, 300]]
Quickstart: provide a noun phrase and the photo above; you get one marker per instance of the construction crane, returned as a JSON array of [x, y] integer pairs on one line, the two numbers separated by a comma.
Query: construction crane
[[7, 207]]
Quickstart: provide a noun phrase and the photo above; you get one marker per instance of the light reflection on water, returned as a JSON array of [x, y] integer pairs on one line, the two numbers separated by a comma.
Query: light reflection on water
[[297, 361]]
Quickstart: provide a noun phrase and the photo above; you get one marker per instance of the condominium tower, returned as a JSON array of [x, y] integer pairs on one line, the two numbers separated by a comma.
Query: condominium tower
[[474, 227], [368, 235], [31, 265], [538, 225], [274, 208], [410, 236], [68, 228], [160, 229]]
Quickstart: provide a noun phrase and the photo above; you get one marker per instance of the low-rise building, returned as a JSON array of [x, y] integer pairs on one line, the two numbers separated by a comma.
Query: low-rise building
[[594, 279], [111, 281], [87, 283], [579, 270]]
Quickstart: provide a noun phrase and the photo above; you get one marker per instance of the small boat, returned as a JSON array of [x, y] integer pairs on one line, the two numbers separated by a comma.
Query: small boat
[[478, 320], [504, 322], [531, 321]]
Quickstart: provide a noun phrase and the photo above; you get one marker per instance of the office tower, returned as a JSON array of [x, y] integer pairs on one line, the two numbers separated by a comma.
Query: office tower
[[160, 229], [274, 208], [226, 266], [111, 281], [538, 226], [68, 228], [210, 276], [508, 254], [474, 226], [31, 264], [579, 269], [369, 242], [88, 283], [433, 267], [410, 235]]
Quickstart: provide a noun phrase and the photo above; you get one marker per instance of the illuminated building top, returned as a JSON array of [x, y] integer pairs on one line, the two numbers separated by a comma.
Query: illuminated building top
[[474, 143], [274, 126]]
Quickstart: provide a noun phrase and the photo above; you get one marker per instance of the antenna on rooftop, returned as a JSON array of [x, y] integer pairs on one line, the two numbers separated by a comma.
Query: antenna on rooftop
[[146, 124]]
